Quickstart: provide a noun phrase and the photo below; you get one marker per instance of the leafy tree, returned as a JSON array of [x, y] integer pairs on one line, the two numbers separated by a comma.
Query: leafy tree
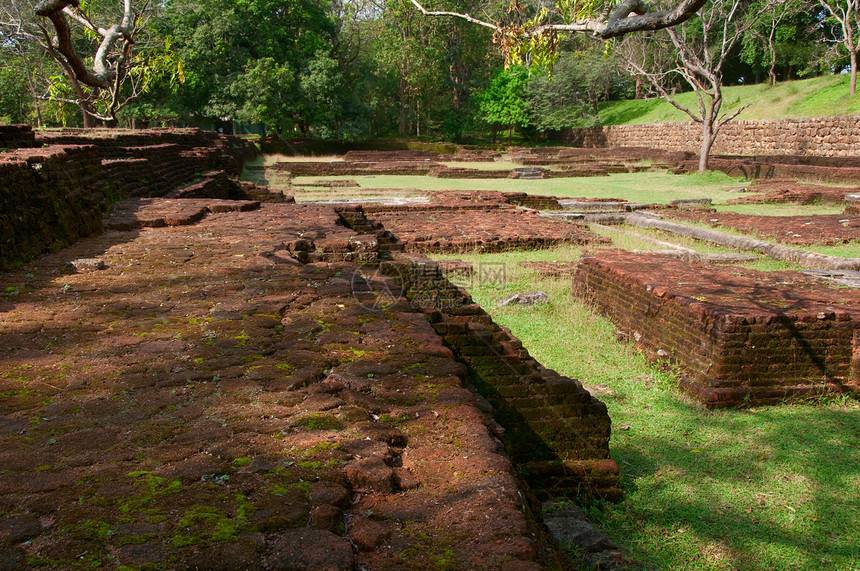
[[426, 68], [104, 58], [15, 103], [569, 97], [503, 103], [846, 31], [781, 38], [263, 92], [246, 58]]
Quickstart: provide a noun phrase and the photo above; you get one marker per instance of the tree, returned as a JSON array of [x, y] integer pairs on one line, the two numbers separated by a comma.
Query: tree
[[583, 76], [778, 35], [845, 13], [429, 67], [101, 68], [248, 60], [703, 46], [504, 101]]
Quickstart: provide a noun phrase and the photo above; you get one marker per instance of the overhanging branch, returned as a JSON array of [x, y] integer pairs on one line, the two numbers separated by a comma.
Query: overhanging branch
[[629, 16]]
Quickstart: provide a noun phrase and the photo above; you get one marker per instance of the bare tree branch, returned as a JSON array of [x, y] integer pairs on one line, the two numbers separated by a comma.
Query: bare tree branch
[[629, 16]]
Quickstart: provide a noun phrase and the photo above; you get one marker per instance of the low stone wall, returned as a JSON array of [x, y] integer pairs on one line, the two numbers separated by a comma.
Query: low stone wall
[[16, 136], [341, 168], [231, 152], [49, 198], [55, 188], [485, 230], [743, 336], [818, 136]]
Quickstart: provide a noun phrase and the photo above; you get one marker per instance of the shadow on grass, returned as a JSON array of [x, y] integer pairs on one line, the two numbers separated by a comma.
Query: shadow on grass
[[621, 113], [778, 490]]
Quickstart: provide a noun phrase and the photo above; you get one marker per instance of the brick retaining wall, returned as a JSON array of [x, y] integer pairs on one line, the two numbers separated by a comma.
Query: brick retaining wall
[[556, 432], [818, 136], [49, 198]]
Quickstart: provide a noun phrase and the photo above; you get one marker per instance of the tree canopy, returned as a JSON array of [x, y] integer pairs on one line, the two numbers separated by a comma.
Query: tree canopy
[[347, 71]]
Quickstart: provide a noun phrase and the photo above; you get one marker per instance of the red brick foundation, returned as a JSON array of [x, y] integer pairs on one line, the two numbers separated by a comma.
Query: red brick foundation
[[743, 336]]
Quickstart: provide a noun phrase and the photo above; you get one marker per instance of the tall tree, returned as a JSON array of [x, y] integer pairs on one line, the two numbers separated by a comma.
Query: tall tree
[[504, 101], [847, 31], [248, 60], [779, 37], [703, 45]]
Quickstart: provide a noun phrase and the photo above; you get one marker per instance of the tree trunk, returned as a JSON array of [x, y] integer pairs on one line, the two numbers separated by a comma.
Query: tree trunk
[[771, 74], [853, 89], [708, 138], [638, 94], [90, 121], [402, 125]]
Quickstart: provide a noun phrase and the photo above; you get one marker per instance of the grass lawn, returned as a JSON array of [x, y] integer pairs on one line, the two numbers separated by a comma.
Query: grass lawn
[[641, 187], [755, 488]]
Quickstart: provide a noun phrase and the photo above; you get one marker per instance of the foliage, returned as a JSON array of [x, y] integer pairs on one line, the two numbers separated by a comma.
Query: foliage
[[784, 41], [348, 71], [15, 103], [503, 102], [569, 96]]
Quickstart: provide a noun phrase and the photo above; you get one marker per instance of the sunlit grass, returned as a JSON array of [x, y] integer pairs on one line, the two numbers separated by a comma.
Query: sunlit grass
[[816, 97], [782, 209], [650, 187]]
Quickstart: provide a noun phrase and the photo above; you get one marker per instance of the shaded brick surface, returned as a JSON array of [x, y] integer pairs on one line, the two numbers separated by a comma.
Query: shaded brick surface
[[206, 398]]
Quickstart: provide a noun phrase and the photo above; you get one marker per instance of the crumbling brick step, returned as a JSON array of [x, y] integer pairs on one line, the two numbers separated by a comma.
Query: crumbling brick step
[[135, 213], [743, 336]]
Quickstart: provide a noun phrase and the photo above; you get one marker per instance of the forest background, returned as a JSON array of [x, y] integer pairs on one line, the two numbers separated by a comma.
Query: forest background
[[349, 71]]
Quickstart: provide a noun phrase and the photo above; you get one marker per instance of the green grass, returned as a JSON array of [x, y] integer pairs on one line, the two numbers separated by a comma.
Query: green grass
[[782, 209], [757, 488], [816, 97]]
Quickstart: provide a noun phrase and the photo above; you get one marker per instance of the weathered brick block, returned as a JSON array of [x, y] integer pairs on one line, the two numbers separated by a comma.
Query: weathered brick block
[[744, 335]]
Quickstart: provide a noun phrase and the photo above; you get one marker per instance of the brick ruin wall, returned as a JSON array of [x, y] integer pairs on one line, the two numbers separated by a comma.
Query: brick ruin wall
[[818, 136], [49, 198], [740, 339], [556, 432], [55, 186]]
